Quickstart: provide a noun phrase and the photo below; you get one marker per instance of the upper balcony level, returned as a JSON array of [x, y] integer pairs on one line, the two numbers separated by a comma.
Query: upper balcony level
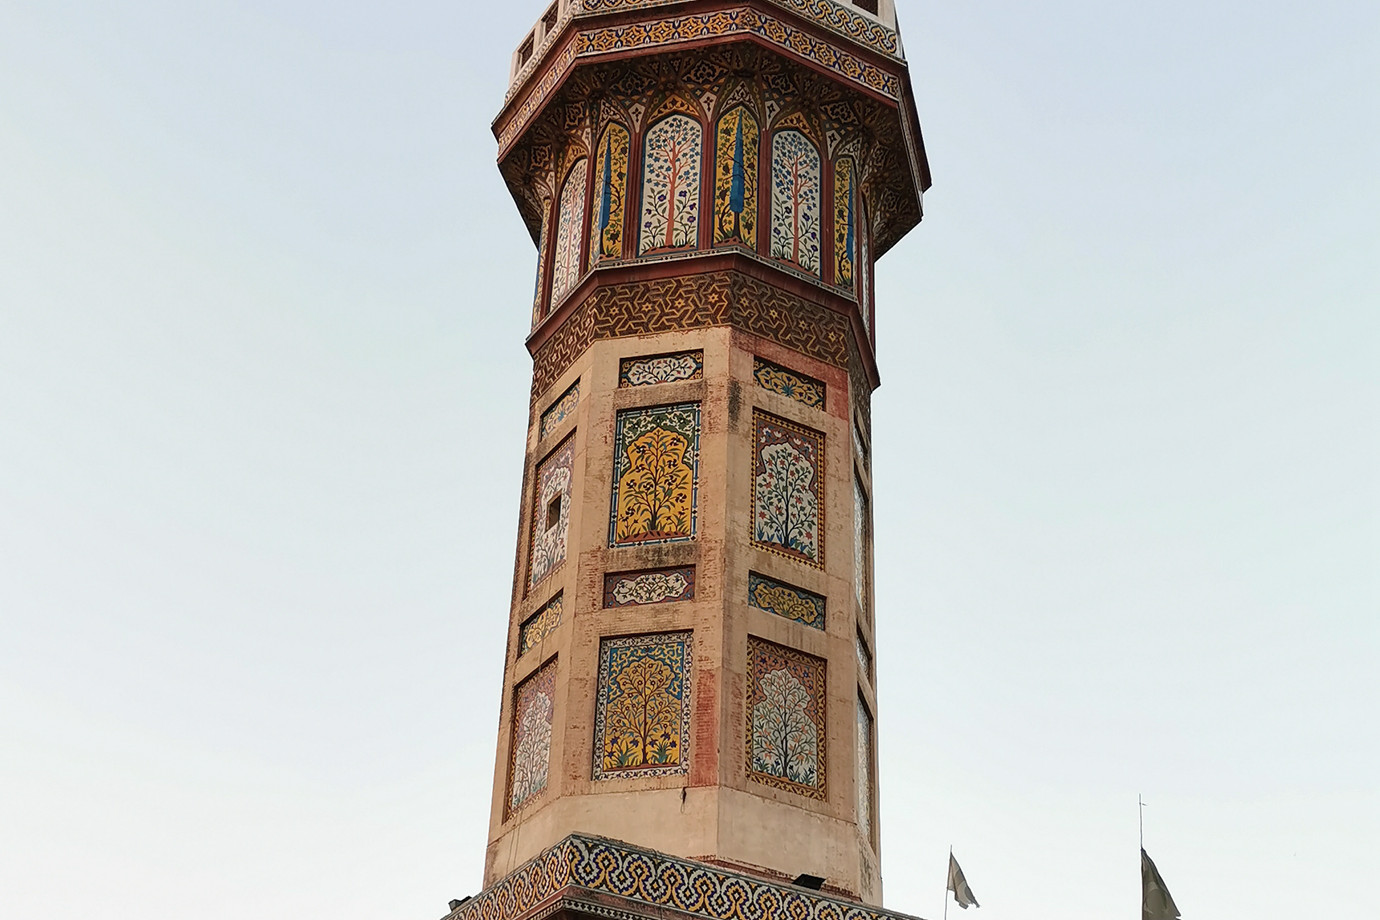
[[869, 23]]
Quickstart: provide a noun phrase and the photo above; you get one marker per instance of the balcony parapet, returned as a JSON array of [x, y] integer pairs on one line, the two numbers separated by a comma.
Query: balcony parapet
[[869, 23]]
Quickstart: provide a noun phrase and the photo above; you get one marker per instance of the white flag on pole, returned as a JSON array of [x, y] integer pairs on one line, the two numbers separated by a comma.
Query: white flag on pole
[[959, 885]]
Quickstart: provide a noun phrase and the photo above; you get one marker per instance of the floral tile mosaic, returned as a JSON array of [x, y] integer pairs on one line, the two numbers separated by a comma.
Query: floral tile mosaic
[[795, 195], [610, 190], [642, 711], [656, 470], [570, 223], [530, 763], [845, 224], [658, 586], [540, 625], [859, 541], [788, 488], [863, 770], [551, 512], [786, 740], [785, 601], [864, 657], [559, 411], [671, 185], [777, 379], [735, 179], [652, 369]]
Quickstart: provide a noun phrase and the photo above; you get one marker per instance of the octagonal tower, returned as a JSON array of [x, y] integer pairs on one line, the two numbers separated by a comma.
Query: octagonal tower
[[690, 657]]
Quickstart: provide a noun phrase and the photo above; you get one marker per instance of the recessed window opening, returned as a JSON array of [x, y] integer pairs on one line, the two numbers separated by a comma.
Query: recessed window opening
[[553, 512]]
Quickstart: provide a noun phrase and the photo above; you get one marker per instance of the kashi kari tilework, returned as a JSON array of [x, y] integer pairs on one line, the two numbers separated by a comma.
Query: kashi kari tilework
[[788, 488], [540, 625], [570, 224], [541, 262], [648, 370], [859, 541], [551, 512], [785, 738], [863, 769], [656, 586], [655, 475], [864, 657], [783, 600], [530, 763], [642, 712], [845, 223], [777, 379], [795, 193], [671, 185], [560, 410], [651, 878], [735, 179], [610, 192]]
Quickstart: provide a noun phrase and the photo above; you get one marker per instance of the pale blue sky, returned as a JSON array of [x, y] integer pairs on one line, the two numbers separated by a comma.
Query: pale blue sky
[[262, 400]]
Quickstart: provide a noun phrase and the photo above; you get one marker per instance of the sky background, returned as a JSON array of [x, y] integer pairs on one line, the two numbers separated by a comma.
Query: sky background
[[263, 396]]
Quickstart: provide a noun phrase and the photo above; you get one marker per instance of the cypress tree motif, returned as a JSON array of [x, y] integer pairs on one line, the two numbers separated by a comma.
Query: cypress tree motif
[[851, 233], [606, 199], [735, 191]]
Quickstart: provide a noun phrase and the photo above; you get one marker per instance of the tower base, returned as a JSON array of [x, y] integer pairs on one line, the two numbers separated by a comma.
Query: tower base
[[583, 878]]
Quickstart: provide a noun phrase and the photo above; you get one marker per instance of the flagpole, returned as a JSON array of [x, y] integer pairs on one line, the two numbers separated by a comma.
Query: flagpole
[[1140, 802]]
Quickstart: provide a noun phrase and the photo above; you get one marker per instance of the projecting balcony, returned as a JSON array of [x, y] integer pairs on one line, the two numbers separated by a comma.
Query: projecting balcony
[[871, 23]]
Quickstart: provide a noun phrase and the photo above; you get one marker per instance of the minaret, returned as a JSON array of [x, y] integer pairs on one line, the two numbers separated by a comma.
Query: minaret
[[690, 654]]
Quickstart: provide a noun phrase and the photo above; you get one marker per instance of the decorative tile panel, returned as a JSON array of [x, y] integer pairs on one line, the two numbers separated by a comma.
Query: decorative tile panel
[[845, 223], [786, 739], [788, 488], [569, 231], [551, 512], [788, 383], [863, 770], [642, 712], [671, 185], [537, 301], [540, 625], [859, 445], [652, 369], [860, 541], [657, 586], [656, 879], [834, 16], [610, 190], [783, 600], [655, 475], [864, 657], [559, 411], [737, 141], [530, 763], [795, 192]]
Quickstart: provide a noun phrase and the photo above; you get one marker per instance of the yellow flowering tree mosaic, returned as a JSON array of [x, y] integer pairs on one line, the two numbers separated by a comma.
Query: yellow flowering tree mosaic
[[656, 466], [642, 717]]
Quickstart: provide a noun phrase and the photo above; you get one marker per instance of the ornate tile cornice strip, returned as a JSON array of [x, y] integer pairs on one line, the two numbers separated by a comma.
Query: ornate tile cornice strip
[[678, 30], [831, 15], [657, 880]]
